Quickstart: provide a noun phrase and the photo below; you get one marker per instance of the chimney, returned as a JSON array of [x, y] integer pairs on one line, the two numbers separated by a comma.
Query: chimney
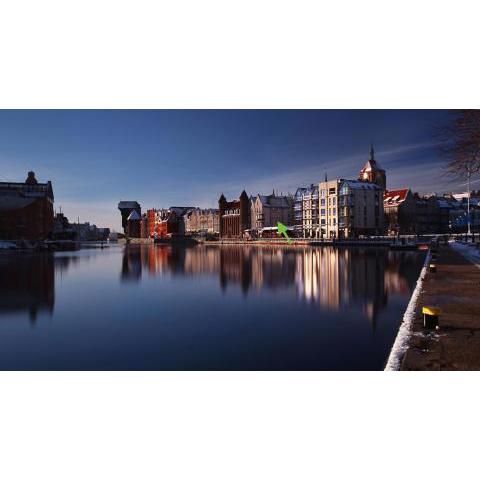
[[31, 180]]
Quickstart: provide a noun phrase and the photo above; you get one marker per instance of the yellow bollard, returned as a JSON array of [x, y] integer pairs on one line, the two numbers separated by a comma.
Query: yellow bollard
[[431, 316]]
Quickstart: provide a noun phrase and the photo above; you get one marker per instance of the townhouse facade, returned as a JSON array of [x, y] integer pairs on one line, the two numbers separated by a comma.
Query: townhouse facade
[[202, 220], [350, 208], [268, 210], [306, 212]]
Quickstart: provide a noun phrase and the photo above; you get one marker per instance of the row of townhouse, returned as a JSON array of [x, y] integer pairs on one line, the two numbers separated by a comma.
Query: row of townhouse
[[409, 213], [339, 208]]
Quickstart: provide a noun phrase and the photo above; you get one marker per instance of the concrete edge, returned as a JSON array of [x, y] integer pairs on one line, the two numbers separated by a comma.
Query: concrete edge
[[402, 340]]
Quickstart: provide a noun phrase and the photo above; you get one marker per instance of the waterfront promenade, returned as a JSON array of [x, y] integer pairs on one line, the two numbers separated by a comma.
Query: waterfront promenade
[[455, 288]]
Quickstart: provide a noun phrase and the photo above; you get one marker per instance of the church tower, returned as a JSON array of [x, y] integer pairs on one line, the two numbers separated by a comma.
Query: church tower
[[373, 172]]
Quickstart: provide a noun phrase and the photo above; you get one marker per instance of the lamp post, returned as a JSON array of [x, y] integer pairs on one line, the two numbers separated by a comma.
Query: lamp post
[[469, 173]]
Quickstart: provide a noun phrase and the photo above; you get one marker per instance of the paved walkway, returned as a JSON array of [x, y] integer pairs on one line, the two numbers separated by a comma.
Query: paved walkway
[[455, 288]]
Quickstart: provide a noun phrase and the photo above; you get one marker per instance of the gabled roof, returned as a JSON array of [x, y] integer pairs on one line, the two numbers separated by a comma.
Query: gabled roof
[[280, 201], [134, 215], [371, 165], [395, 197]]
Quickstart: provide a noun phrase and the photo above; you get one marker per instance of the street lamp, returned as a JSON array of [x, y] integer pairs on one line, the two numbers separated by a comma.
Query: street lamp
[[468, 203]]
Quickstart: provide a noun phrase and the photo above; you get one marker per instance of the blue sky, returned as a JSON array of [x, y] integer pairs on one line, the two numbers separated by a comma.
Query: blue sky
[[189, 157]]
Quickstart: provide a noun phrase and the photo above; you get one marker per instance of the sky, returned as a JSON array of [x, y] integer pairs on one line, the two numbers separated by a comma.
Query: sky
[[162, 158]]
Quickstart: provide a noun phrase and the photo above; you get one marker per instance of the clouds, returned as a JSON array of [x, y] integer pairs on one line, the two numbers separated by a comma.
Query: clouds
[[412, 165]]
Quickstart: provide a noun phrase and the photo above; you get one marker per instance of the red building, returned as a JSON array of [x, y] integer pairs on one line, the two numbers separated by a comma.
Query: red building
[[234, 216], [163, 223], [26, 210]]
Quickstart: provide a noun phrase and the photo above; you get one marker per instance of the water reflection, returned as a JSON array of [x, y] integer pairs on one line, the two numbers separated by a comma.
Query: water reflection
[[203, 308], [335, 279], [27, 284]]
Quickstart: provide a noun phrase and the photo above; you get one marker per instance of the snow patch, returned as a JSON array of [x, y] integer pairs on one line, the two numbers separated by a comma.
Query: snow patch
[[469, 251], [400, 345]]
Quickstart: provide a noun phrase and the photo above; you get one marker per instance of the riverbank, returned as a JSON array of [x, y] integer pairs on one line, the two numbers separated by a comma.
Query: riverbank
[[454, 288], [375, 242]]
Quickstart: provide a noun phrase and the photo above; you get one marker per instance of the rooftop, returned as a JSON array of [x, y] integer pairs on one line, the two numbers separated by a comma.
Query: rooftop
[[134, 215], [361, 185], [395, 197]]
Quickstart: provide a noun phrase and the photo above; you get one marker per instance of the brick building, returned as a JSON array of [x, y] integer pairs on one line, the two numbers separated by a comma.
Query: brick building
[[234, 216], [166, 222], [26, 209]]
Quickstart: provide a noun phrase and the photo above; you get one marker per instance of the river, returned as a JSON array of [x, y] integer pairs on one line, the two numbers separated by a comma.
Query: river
[[158, 307]]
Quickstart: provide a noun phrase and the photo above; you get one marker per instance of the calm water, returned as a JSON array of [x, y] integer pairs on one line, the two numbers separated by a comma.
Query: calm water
[[206, 308]]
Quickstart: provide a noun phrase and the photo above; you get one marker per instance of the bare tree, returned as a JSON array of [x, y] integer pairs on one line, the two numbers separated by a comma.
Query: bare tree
[[460, 144]]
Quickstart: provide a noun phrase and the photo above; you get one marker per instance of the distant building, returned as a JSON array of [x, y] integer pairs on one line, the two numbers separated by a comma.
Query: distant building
[[133, 227], [349, 208], [199, 220], [427, 214], [87, 232], [234, 216], [62, 228], [268, 210], [179, 215], [165, 222], [306, 212], [126, 207], [144, 226], [373, 172], [400, 212], [26, 209]]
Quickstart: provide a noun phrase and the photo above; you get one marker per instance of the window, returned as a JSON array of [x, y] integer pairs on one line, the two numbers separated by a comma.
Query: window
[[322, 202], [322, 212]]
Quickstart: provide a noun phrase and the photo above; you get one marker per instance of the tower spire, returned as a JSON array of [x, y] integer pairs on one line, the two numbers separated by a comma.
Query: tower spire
[[372, 152]]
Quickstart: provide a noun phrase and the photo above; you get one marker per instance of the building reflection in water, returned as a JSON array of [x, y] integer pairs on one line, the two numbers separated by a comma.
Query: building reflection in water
[[334, 279], [27, 284]]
